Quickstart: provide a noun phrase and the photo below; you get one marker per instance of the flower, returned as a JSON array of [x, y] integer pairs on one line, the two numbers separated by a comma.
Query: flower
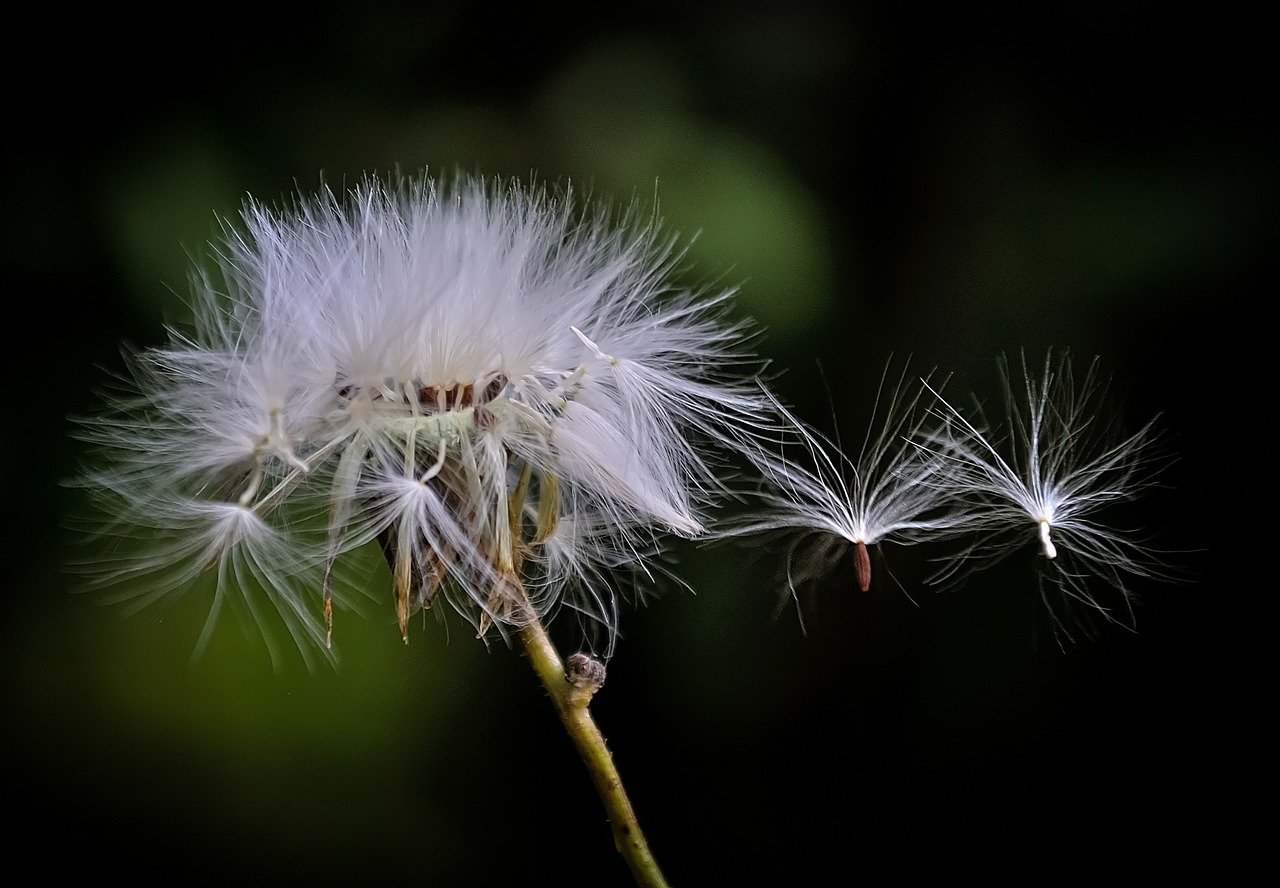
[[896, 490], [504, 390], [1050, 474]]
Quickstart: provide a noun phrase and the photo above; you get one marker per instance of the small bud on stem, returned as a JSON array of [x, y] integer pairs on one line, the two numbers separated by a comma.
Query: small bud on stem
[[585, 672]]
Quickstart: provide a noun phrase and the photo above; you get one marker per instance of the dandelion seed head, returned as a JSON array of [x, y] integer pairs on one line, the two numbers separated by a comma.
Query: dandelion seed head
[[502, 386]]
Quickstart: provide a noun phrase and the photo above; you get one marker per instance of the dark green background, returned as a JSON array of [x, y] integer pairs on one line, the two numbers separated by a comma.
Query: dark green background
[[886, 180]]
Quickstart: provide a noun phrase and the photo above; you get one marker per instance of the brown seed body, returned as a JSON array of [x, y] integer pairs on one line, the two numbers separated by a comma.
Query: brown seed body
[[862, 565]]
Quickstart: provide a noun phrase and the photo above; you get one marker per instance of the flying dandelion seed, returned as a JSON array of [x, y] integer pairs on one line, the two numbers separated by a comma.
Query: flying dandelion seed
[[895, 490], [1050, 474]]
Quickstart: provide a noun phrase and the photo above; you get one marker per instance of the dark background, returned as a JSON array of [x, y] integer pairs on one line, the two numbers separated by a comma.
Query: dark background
[[887, 180]]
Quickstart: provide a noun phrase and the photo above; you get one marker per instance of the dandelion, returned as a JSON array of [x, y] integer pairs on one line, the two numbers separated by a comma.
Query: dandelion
[[832, 505], [506, 392], [1050, 475]]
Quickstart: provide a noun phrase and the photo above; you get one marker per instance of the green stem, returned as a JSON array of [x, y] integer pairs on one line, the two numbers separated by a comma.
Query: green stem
[[571, 705]]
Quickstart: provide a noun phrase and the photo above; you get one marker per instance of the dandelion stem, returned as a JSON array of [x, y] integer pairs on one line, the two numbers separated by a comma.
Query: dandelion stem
[[572, 706]]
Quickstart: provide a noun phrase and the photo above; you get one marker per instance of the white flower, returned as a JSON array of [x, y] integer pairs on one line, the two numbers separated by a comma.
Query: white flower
[[1050, 475], [503, 389], [896, 490]]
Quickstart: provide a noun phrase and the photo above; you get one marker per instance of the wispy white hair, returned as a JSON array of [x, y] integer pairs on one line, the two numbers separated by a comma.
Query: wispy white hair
[[485, 377]]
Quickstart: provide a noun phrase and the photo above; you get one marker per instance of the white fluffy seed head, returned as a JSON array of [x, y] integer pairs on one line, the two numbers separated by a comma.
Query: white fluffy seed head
[[469, 371]]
